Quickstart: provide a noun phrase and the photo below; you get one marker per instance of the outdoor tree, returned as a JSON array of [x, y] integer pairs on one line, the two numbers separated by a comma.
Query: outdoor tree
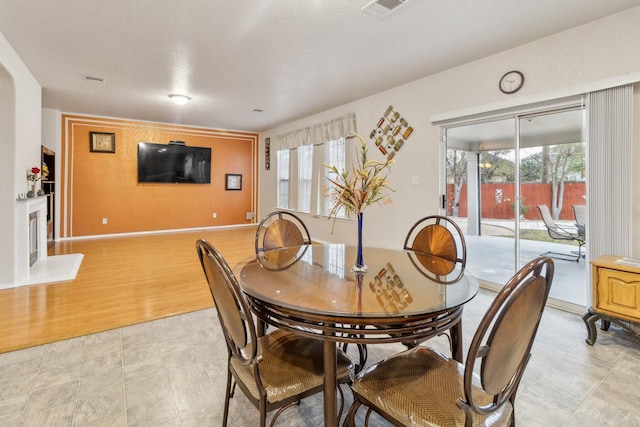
[[457, 171], [561, 161], [497, 167]]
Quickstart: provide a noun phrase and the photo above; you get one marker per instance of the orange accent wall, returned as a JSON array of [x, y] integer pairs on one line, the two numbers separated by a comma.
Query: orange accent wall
[[98, 185]]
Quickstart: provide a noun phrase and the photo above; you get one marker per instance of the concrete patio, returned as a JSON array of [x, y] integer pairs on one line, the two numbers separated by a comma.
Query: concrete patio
[[490, 257]]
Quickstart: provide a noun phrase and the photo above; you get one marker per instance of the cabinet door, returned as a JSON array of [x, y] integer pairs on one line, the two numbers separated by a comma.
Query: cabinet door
[[619, 293]]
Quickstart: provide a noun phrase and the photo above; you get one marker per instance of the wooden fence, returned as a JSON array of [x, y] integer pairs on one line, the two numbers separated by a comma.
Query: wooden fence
[[497, 199]]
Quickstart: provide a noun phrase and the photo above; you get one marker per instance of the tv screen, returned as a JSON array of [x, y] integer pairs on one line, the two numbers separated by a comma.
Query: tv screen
[[173, 163]]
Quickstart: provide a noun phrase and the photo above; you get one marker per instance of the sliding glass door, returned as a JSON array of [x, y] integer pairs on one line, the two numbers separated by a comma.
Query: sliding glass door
[[481, 191], [500, 174]]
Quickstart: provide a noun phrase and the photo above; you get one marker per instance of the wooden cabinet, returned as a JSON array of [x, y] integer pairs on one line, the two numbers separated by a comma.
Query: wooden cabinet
[[615, 295]]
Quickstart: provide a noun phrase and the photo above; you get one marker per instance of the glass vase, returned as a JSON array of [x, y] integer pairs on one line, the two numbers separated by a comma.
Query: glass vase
[[360, 266], [32, 189]]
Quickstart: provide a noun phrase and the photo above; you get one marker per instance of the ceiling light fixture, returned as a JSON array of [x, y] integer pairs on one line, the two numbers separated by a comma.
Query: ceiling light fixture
[[179, 99]]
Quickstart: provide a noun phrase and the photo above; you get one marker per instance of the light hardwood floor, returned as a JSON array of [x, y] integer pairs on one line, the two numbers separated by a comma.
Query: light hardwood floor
[[122, 281]]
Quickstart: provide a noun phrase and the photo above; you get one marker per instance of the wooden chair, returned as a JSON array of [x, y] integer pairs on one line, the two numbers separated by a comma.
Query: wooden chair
[[424, 388], [564, 233], [281, 229], [273, 371], [435, 251]]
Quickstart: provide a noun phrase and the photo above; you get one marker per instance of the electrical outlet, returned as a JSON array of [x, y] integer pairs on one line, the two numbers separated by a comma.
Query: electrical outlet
[[104, 221], [215, 215]]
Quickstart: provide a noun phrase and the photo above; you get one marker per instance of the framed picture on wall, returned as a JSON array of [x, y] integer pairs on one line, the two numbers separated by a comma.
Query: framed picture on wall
[[234, 181], [101, 142]]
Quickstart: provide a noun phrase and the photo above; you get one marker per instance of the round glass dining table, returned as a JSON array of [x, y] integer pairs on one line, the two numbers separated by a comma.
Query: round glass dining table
[[311, 290]]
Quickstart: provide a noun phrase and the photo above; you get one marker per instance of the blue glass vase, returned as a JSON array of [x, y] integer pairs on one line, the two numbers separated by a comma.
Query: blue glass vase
[[360, 266]]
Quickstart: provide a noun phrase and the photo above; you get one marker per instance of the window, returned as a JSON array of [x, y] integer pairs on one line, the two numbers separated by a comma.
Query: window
[[302, 178], [305, 175], [283, 179], [334, 154]]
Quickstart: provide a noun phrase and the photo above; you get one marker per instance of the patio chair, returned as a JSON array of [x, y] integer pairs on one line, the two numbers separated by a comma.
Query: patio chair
[[273, 371], [580, 214], [421, 387], [563, 233]]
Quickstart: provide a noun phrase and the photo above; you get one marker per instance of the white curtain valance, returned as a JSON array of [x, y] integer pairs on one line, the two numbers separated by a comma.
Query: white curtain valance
[[317, 134]]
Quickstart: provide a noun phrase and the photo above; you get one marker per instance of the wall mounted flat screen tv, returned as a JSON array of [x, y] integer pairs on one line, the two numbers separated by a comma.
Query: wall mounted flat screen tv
[[176, 163]]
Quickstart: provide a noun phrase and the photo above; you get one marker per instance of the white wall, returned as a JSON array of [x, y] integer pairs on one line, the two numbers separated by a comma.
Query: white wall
[[572, 62], [20, 116]]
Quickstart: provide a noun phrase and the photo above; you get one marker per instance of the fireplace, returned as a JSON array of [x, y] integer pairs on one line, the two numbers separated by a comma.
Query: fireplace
[[33, 238], [33, 265], [31, 242]]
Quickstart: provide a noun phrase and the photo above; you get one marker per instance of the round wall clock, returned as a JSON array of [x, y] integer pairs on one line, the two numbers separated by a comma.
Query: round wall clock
[[511, 82]]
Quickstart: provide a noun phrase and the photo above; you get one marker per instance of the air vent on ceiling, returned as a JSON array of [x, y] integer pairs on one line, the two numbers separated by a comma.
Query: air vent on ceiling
[[382, 8]]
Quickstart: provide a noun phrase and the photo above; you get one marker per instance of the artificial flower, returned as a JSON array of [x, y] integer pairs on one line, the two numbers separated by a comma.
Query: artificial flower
[[364, 185], [33, 174]]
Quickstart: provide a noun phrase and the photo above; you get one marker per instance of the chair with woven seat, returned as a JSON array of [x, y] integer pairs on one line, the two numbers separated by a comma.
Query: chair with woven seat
[[436, 252], [422, 387], [564, 233], [274, 371], [278, 230], [433, 244]]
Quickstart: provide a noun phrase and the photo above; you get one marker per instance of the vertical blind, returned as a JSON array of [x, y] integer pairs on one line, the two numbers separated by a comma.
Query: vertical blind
[[610, 171]]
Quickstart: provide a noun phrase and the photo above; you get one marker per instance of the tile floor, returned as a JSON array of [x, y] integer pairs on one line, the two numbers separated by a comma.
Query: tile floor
[[171, 372]]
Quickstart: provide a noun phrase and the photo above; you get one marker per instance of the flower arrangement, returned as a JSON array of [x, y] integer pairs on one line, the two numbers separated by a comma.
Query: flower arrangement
[[33, 174], [45, 171], [366, 184]]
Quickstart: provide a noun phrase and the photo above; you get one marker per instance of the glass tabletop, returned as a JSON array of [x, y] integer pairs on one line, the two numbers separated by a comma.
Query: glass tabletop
[[317, 279]]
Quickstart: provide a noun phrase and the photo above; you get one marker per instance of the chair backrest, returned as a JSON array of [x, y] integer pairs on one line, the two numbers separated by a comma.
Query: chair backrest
[[580, 214], [433, 238], [550, 223], [233, 309], [505, 336], [546, 216], [281, 229]]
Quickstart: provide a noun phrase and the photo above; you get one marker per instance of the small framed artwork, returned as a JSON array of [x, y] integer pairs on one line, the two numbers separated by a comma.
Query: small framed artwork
[[234, 181], [101, 142]]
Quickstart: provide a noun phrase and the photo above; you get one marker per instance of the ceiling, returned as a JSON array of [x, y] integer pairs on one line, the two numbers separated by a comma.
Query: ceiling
[[288, 58]]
